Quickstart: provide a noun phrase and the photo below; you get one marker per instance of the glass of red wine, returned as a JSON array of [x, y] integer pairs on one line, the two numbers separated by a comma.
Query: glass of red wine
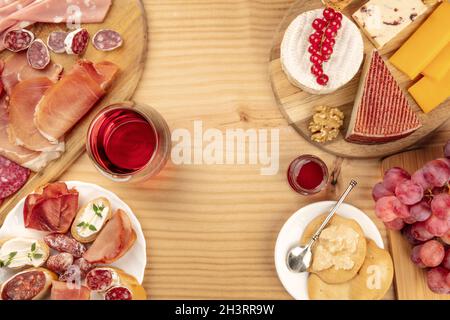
[[128, 142], [308, 175]]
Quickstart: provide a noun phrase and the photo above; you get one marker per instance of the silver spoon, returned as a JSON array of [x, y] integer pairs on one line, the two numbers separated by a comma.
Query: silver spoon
[[299, 258]]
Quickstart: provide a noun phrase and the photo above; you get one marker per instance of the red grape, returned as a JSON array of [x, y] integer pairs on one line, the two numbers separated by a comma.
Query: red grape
[[379, 191], [396, 224], [440, 205], [420, 211], [415, 256], [437, 173], [446, 261], [408, 192], [420, 233], [436, 226], [447, 150], [419, 178], [406, 231], [432, 253], [437, 280], [390, 208], [394, 177]]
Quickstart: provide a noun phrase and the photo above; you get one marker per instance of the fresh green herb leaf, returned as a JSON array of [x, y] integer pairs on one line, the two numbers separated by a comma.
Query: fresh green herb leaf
[[81, 224], [37, 256], [92, 228], [98, 210], [12, 255], [2, 264], [94, 206], [33, 247]]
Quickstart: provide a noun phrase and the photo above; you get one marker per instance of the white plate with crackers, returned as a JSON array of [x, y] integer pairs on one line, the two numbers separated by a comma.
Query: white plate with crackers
[[297, 284], [133, 262]]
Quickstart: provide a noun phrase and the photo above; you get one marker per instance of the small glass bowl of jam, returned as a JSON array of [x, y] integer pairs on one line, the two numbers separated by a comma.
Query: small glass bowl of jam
[[308, 175]]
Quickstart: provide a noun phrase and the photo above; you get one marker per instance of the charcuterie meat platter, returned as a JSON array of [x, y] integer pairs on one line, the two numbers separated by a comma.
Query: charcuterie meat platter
[[346, 97], [83, 56]]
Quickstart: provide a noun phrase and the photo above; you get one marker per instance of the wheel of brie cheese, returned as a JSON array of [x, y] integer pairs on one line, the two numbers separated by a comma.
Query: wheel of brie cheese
[[343, 65]]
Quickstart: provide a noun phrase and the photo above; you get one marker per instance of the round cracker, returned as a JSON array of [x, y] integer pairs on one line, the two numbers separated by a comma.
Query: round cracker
[[332, 275], [372, 282]]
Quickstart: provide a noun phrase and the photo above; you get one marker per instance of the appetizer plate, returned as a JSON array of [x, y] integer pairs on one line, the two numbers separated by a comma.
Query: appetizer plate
[[133, 262], [298, 106], [294, 283]]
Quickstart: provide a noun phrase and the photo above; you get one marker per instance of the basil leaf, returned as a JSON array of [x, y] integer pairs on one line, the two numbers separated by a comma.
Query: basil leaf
[[37, 256], [2, 264], [33, 247], [92, 228], [81, 224], [94, 206], [12, 255]]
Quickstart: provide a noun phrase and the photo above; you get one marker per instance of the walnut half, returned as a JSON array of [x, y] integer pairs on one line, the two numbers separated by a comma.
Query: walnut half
[[326, 123]]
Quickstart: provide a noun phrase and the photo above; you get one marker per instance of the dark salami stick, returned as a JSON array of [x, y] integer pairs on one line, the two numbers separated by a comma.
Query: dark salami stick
[[18, 40], [77, 41], [13, 177], [38, 55], [55, 41], [107, 40]]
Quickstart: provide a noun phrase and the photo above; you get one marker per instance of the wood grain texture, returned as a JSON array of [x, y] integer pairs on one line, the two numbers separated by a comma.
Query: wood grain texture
[[129, 19], [298, 106], [211, 230], [410, 280]]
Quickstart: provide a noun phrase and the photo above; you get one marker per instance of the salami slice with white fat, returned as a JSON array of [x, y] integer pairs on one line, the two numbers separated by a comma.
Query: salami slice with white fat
[[118, 293], [18, 40], [38, 55], [77, 41], [107, 40], [55, 41], [12, 177]]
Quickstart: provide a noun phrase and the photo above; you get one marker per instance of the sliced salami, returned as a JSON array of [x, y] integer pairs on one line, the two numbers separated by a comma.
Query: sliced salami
[[24, 286], [12, 177], [77, 41], [99, 280], [38, 55], [55, 41], [107, 40], [118, 293], [18, 40], [63, 243], [60, 263]]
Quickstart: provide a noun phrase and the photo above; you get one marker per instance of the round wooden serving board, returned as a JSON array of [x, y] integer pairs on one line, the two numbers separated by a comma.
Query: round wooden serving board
[[297, 106], [126, 17]]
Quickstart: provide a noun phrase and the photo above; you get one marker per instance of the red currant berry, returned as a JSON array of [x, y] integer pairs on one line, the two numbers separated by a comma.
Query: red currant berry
[[338, 16], [312, 50], [326, 57], [318, 34], [314, 41], [318, 24], [327, 50], [316, 70], [329, 14], [336, 25], [323, 79], [330, 33], [329, 41], [316, 59]]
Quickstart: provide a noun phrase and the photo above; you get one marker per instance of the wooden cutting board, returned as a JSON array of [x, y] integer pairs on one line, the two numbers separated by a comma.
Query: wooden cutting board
[[410, 281], [298, 106], [129, 19]]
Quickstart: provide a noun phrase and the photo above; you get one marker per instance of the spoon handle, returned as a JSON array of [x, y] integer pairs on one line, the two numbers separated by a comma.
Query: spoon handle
[[352, 185]]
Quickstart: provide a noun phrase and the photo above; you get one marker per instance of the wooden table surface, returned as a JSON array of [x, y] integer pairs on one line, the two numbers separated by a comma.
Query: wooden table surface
[[211, 230]]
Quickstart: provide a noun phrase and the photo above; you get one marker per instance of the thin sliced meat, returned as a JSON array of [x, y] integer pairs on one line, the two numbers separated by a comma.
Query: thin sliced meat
[[65, 291], [114, 240], [17, 69], [23, 101], [66, 102], [32, 160]]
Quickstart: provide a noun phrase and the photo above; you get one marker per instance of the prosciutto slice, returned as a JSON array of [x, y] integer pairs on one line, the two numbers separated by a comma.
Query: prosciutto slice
[[114, 241], [66, 102], [23, 101]]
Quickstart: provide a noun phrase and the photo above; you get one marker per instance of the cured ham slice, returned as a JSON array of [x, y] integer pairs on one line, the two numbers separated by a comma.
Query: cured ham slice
[[32, 160], [66, 102], [381, 112], [114, 241], [23, 101], [52, 210], [17, 69], [65, 291]]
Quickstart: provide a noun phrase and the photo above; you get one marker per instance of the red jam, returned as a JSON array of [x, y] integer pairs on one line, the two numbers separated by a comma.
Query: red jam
[[308, 175]]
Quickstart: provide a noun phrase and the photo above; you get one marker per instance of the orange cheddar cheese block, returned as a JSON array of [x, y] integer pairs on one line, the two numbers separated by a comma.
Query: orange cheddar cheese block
[[425, 44], [440, 66], [429, 93]]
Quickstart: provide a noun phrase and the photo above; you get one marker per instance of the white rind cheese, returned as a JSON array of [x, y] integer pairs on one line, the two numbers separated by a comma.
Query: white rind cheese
[[17, 253], [383, 20], [341, 68]]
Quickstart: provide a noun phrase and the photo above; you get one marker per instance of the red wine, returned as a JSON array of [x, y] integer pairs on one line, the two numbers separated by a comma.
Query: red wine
[[308, 175], [122, 141]]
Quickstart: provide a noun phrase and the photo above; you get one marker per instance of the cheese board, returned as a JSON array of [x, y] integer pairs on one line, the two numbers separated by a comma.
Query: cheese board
[[410, 281], [292, 84], [126, 18]]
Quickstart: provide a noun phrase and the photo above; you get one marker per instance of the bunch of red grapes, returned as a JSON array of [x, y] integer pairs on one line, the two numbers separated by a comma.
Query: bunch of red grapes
[[419, 206]]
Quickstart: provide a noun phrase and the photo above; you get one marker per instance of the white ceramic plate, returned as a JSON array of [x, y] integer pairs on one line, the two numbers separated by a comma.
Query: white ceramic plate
[[289, 236], [133, 262]]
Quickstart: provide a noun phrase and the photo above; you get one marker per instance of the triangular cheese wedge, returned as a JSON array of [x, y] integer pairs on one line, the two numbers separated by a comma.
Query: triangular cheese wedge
[[381, 112]]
